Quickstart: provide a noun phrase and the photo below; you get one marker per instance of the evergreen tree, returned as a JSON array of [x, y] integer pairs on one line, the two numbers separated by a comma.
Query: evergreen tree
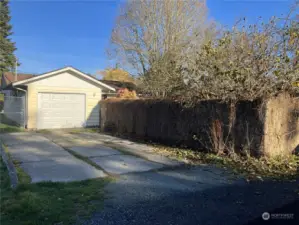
[[7, 47]]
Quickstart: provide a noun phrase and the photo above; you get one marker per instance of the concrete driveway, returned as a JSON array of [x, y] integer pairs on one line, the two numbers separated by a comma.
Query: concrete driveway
[[61, 156], [175, 194], [114, 155], [143, 193], [44, 160]]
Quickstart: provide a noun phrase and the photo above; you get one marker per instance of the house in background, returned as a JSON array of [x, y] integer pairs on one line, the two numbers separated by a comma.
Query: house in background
[[63, 98], [119, 87], [7, 78]]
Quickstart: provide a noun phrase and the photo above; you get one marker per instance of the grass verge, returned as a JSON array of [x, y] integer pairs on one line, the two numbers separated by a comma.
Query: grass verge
[[48, 202], [7, 125], [1, 101], [4, 128], [23, 177], [71, 130], [250, 167], [88, 130]]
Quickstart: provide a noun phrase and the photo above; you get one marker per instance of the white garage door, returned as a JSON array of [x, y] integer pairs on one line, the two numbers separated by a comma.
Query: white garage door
[[58, 110]]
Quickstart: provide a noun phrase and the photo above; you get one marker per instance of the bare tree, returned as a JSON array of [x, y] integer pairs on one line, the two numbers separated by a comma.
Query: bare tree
[[180, 55], [147, 30]]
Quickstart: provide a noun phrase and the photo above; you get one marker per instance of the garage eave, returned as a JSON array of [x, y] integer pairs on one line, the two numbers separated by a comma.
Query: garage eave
[[56, 72]]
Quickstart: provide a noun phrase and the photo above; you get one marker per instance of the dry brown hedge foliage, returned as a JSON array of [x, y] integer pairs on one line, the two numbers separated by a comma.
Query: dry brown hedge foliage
[[248, 127]]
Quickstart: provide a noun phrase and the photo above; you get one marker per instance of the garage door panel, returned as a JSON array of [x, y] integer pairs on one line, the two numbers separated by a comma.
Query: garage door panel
[[46, 96], [59, 110], [51, 125], [45, 105], [52, 117]]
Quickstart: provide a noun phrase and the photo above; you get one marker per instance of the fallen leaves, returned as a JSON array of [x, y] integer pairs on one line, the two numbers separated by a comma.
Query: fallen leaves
[[250, 167]]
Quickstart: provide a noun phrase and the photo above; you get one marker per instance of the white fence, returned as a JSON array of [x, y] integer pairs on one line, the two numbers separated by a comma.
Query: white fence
[[13, 111]]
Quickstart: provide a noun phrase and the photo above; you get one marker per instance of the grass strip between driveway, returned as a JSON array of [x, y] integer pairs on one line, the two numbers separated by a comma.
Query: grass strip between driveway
[[48, 202], [86, 159]]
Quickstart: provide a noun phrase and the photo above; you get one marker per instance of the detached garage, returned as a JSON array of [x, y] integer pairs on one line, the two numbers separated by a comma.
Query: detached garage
[[64, 98]]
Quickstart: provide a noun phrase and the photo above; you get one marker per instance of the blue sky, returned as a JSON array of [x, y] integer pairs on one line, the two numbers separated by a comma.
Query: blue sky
[[53, 34]]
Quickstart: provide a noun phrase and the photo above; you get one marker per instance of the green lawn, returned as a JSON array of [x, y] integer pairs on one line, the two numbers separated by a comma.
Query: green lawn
[[48, 202], [5, 128], [72, 130], [80, 130], [1, 97], [7, 125], [1, 101]]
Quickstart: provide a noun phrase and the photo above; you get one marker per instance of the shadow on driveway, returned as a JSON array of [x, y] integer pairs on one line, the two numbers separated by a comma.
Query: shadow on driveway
[[291, 211], [186, 197], [43, 160]]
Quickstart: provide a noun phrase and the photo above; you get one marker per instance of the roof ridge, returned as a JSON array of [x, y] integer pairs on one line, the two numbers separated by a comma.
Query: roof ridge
[[72, 69]]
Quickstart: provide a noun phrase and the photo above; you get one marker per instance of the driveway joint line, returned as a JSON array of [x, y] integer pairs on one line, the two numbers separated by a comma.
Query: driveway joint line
[[49, 160]]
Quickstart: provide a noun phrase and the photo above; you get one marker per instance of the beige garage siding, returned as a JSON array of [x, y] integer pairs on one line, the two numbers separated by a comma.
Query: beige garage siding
[[93, 96]]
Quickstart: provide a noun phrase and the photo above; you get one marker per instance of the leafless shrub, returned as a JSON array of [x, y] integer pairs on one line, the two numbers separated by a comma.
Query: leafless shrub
[[247, 62]]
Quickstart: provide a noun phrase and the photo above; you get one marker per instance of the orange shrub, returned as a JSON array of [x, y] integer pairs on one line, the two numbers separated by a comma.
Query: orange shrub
[[125, 93]]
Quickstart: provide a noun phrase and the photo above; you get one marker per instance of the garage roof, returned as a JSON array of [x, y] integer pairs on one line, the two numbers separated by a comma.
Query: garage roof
[[69, 68]]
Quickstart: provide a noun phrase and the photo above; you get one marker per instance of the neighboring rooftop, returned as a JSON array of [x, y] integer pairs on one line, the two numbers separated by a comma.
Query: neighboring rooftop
[[9, 77]]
